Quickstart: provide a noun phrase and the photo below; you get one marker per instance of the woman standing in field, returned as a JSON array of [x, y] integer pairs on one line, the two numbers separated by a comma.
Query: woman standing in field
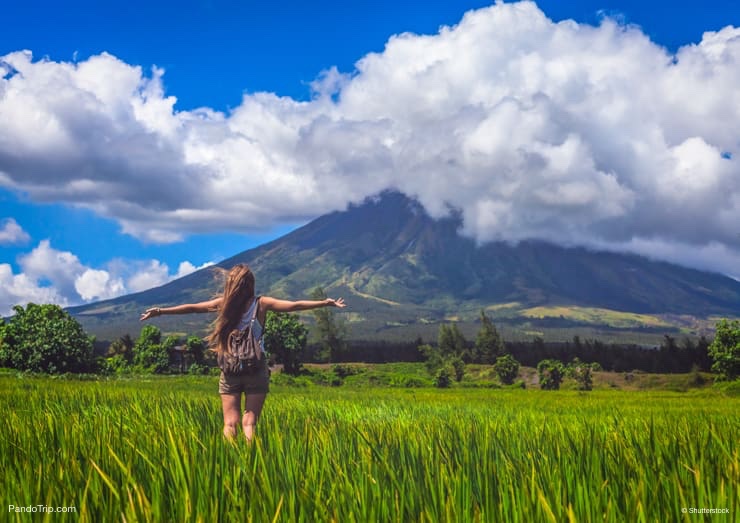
[[232, 306]]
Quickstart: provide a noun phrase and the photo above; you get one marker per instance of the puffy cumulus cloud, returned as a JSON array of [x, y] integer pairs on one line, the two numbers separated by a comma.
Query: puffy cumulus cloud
[[53, 268], [11, 233], [95, 284], [186, 268], [19, 289], [49, 275], [531, 129], [155, 273]]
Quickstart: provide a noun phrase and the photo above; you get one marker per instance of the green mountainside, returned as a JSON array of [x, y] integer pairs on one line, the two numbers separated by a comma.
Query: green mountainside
[[402, 273]]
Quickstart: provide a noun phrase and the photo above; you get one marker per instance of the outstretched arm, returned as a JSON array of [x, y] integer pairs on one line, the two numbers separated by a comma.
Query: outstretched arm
[[275, 305], [188, 308]]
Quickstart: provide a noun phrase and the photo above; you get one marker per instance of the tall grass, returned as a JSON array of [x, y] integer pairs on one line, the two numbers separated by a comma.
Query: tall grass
[[152, 450]]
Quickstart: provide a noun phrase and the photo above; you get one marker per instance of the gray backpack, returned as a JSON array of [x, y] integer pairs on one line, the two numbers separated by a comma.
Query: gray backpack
[[243, 352]]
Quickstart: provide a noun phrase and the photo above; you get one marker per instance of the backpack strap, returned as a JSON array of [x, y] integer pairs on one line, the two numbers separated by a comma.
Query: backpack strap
[[250, 315]]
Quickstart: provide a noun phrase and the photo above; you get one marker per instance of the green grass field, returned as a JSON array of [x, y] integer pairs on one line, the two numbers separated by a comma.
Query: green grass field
[[151, 450], [597, 316]]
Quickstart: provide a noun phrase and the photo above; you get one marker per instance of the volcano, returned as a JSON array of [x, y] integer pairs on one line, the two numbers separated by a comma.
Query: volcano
[[400, 270]]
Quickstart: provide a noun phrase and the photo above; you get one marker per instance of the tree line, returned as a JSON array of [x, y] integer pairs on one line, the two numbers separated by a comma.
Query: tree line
[[45, 338]]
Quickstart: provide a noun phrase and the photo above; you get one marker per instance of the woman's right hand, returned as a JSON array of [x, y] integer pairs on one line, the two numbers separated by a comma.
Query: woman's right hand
[[339, 302]]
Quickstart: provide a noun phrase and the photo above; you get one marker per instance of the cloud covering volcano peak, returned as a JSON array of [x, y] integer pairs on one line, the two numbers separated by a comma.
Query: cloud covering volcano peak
[[572, 133]]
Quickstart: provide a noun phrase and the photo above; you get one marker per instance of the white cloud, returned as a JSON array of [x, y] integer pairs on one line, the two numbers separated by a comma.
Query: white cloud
[[49, 266], [533, 129], [19, 289], [186, 268], [723, 259], [11, 233], [52, 276], [153, 274], [96, 284]]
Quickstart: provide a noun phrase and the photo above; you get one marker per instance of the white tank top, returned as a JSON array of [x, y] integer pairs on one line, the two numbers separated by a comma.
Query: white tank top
[[256, 325]]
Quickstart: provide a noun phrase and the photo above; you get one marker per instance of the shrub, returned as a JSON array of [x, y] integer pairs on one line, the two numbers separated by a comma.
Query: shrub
[[343, 371], [506, 368], [436, 360], [731, 388], [196, 347], [433, 360], [286, 338], [581, 372], [725, 350], [451, 342], [330, 329], [45, 338], [582, 375], [114, 365], [151, 354], [123, 346], [695, 377], [458, 367], [408, 381], [551, 374], [198, 369], [443, 377], [488, 342]]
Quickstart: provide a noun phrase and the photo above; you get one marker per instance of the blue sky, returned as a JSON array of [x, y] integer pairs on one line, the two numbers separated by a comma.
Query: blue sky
[[287, 110]]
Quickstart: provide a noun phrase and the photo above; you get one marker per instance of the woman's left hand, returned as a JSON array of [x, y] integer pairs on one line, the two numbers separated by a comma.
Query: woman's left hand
[[150, 313]]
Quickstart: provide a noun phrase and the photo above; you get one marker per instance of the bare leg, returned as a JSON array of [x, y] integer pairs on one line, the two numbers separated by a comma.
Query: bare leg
[[232, 405], [252, 411]]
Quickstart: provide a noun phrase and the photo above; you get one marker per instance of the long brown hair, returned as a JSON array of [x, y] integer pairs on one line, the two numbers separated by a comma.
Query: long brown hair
[[238, 290]]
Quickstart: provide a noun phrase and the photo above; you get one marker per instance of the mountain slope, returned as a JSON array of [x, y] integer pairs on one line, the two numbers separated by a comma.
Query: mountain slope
[[396, 266]]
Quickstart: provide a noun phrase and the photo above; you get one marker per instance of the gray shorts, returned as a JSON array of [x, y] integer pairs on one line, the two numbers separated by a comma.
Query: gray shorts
[[257, 383]]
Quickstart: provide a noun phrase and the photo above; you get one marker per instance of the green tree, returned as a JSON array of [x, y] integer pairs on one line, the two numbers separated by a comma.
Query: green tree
[[488, 342], [451, 341], [446, 359], [433, 359], [458, 367], [196, 347], [330, 330], [115, 364], [442, 377], [124, 347], [581, 372], [286, 338], [725, 350], [550, 373], [45, 338], [151, 354], [506, 368]]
